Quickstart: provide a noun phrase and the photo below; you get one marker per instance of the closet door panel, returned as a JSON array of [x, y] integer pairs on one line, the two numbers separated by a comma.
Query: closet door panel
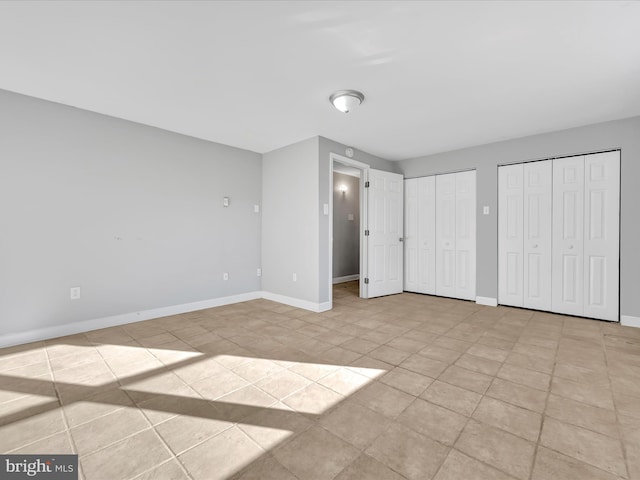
[[465, 235], [538, 192], [445, 235], [601, 235], [411, 240], [568, 241], [510, 235], [427, 235]]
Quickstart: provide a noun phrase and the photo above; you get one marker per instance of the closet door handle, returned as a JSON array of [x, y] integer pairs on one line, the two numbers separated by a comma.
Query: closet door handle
[[535, 245], [570, 247]]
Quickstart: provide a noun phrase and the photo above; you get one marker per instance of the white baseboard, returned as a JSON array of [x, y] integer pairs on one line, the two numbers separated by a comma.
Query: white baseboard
[[38, 334], [55, 331], [488, 301], [298, 303], [629, 321], [347, 278], [325, 306]]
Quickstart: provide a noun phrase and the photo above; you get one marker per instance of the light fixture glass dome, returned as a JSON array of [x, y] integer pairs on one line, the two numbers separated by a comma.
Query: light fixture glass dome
[[346, 100]]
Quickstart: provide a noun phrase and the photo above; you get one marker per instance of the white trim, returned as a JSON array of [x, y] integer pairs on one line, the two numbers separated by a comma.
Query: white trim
[[347, 161], [488, 301], [629, 321], [298, 303], [364, 177], [346, 278], [38, 334]]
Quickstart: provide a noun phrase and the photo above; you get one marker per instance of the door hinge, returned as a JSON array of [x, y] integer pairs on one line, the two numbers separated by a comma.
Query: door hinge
[[366, 280], [366, 184], [366, 233]]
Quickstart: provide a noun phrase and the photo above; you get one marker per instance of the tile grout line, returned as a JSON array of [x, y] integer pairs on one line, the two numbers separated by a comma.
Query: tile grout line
[[137, 407], [621, 437], [70, 438], [577, 426], [469, 418], [546, 402]]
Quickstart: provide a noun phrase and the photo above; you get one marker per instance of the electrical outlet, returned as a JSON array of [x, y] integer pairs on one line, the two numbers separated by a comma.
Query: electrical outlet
[[295, 277], [259, 272], [74, 293], [256, 208], [225, 202], [225, 276]]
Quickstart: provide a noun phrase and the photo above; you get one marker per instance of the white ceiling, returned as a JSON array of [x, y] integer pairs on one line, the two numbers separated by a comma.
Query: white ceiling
[[437, 75]]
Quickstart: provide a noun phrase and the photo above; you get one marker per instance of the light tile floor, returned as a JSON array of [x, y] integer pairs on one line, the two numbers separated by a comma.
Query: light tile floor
[[400, 387]]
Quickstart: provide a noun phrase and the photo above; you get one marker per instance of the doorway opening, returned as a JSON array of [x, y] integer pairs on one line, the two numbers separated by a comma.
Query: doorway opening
[[347, 223]]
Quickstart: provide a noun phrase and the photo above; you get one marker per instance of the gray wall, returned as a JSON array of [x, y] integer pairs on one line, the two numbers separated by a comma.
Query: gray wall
[[623, 134], [290, 220], [131, 214], [326, 147], [346, 233]]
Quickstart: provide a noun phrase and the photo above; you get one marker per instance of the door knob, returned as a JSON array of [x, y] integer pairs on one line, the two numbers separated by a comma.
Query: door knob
[[535, 245], [401, 239], [570, 247]]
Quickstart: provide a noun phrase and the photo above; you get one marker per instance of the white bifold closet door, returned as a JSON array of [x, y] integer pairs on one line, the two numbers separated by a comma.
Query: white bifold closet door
[[568, 238], [524, 230], [586, 226], [456, 235], [419, 237], [511, 235], [538, 187], [411, 243], [558, 230]]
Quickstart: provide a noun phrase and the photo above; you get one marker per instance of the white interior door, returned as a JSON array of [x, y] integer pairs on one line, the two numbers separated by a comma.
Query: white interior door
[[385, 225], [411, 240], [446, 235], [427, 235], [601, 235], [465, 235], [538, 192], [510, 235], [568, 242]]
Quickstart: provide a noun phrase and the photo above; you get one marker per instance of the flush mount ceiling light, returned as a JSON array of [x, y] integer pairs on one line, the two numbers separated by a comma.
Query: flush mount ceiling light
[[346, 100]]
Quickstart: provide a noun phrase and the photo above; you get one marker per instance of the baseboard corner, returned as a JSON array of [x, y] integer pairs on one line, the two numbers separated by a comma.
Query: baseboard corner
[[630, 321], [346, 278], [488, 301], [297, 302]]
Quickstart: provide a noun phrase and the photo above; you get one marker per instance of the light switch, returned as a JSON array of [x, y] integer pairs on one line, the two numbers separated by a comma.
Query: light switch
[[256, 208], [485, 210], [225, 276], [326, 208], [350, 217], [74, 293]]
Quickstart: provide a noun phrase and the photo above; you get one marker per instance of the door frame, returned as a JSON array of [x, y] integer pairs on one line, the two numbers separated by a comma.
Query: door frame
[[364, 177]]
